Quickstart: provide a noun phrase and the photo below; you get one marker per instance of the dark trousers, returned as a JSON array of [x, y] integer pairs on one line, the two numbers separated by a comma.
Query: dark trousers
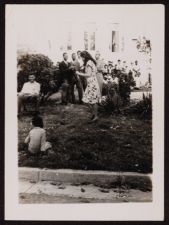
[[83, 82], [79, 87], [65, 92], [24, 98], [68, 94]]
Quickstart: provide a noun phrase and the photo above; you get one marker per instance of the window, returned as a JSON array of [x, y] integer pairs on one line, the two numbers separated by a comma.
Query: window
[[90, 37], [115, 41], [92, 41], [86, 40], [69, 41]]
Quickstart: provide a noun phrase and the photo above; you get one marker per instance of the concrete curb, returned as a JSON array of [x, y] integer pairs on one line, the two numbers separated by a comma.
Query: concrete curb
[[131, 179]]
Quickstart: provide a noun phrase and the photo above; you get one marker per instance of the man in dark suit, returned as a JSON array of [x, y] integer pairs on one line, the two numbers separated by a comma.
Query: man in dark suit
[[66, 71], [82, 79], [76, 80]]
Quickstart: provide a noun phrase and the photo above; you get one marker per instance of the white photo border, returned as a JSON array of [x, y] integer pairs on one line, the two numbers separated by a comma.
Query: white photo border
[[154, 211]]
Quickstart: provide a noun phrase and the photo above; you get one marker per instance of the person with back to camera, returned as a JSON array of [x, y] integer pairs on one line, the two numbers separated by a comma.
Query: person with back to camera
[[36, 139], [92, 94]]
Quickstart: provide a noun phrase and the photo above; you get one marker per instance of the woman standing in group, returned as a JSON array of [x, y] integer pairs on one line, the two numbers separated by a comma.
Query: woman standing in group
[[92, 94]]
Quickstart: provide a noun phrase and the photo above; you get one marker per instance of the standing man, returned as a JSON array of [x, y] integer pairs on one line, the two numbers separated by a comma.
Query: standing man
[[136, 71], [131, 67], [30, 91], [76, 80], [119, 67], [100, 70], [136, 68], [124, 66], [82, 79], [79, 59], [66, 77]]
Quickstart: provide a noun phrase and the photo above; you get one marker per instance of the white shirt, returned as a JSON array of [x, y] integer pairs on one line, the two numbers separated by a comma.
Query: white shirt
[[119, 67], [136, 67], [112, 80], [66, 62], [127, 70], [115, 80], [31, 88], [80, 61], [131, 67]]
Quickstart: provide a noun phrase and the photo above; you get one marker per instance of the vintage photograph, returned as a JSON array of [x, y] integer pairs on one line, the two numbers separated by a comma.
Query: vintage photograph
[[84, 104]]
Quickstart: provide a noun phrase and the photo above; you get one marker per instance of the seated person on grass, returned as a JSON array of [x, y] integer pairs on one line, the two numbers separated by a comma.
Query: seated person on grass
[[113, 96], [30, 91], [36, 138], [48, 90]]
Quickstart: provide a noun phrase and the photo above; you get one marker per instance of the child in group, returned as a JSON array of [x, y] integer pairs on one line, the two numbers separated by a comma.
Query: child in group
[[36, 138]]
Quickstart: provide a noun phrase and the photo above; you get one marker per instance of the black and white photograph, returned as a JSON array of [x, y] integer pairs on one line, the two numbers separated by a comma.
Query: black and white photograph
[[84, 112]]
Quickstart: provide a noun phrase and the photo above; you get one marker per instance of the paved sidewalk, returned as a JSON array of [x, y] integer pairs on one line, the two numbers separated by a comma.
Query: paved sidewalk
[[54, 192], [131, 179]]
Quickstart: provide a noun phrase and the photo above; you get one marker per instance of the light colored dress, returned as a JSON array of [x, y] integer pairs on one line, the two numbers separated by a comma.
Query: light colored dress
[[92, 93]]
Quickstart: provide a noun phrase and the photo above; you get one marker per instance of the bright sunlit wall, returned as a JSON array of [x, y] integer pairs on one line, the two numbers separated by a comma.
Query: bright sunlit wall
[[80, 28]]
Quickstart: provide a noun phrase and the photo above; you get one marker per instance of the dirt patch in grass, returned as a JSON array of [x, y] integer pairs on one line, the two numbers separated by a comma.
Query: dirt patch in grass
[[115, 143]]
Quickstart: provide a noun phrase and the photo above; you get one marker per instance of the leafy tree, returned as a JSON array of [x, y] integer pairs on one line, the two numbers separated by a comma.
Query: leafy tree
[[38, 64]]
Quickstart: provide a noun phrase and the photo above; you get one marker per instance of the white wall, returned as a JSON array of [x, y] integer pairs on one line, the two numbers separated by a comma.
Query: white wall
[[37, 25]]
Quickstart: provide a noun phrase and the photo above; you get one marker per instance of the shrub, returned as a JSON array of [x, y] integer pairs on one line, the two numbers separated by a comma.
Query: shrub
[[125, 84], [142, 108], [39, 65], [117, 95]]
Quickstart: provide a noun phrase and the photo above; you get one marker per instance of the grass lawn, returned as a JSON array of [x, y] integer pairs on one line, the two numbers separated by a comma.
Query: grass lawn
[[115, 143]]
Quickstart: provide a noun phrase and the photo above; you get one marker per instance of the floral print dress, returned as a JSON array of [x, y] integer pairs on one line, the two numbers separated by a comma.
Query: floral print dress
[[92, 92]]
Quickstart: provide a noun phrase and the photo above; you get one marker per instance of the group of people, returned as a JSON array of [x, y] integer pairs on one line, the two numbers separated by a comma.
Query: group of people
[[91, 95], [88, 75], [83, 71], [112, 71]]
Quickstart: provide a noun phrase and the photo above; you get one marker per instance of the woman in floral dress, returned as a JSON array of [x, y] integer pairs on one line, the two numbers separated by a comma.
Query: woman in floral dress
[[92, 94]]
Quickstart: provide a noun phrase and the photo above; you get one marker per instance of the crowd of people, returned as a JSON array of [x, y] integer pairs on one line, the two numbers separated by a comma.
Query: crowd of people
[[72, 76], [92, 78]]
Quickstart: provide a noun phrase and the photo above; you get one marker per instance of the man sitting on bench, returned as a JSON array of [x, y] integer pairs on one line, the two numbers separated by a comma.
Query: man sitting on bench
[[30, 92]]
